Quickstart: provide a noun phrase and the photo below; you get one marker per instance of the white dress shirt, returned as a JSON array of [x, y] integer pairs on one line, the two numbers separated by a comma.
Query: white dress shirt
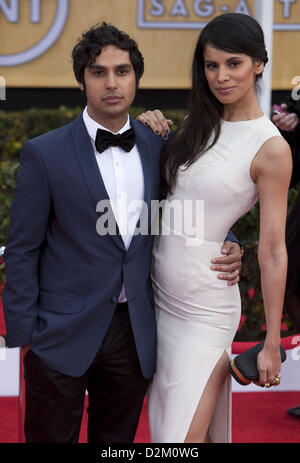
[[123, 178]]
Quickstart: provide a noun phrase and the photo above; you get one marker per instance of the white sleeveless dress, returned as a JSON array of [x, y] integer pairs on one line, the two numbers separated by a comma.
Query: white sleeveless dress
[[197, 313]]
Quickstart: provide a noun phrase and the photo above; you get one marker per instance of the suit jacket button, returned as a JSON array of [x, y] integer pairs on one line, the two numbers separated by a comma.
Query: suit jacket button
[[114, 299]]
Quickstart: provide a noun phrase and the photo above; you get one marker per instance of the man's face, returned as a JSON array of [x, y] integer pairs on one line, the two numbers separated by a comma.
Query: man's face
[[110, 87]]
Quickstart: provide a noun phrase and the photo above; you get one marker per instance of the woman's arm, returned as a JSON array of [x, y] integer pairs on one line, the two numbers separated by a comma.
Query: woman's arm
[[271, 170]]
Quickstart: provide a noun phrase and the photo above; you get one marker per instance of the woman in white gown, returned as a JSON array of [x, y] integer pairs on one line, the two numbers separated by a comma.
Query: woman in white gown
[[228, 154]]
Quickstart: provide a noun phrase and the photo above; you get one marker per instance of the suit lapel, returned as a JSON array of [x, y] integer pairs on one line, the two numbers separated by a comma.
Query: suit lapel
[[146, 160], [88, 163]]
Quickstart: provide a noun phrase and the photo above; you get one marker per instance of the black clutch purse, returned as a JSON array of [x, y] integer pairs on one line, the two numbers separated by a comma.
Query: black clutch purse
[[243, 367]]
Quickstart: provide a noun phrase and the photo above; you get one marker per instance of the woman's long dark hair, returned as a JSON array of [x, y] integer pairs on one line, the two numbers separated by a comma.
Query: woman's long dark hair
[[231, 32]]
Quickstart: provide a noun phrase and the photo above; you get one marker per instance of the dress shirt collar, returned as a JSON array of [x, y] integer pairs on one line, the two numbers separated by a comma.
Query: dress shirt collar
[[92, 126]]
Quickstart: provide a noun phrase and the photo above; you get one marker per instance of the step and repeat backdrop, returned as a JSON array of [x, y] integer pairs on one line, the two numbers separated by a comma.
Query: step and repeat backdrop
[[37, 37]]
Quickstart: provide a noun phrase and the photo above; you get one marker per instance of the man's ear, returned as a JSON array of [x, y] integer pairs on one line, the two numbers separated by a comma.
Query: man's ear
[[81, 86]]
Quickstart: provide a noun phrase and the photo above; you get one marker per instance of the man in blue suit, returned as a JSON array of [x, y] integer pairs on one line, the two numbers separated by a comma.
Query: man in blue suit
[[78, 300]]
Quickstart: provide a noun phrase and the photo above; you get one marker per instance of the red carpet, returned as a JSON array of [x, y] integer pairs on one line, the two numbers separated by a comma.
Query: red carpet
[[258, 417]]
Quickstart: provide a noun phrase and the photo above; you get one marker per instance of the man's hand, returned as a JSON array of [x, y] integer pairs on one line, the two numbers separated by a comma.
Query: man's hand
[[25, 349], [230, 264], [287, 122]]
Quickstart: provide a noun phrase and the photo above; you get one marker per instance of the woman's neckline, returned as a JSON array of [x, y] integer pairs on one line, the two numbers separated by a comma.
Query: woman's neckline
[[246, 121]]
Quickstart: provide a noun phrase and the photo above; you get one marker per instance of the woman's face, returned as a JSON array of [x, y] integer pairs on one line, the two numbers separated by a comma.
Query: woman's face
[[231, 77]]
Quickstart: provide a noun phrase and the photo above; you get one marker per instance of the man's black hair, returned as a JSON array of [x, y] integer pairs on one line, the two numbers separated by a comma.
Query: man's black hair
[[95, 39]]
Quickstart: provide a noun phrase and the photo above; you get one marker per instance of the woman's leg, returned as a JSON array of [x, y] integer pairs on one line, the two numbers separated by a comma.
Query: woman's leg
[[199, 428]]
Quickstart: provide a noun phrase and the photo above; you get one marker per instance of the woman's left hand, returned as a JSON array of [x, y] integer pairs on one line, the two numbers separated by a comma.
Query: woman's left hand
[[269, 365]]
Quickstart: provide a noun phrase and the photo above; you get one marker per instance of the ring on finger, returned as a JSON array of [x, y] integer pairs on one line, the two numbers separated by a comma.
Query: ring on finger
[[276, 380]]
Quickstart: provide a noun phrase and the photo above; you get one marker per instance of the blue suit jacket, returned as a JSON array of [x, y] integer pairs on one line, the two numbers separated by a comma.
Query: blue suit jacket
[[63, 278]]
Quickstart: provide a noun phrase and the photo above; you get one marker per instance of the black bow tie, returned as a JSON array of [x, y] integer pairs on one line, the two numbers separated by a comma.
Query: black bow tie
[[105, 139]]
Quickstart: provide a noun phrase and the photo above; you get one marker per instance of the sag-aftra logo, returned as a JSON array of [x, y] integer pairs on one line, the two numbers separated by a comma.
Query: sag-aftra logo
[[10, 12], [194, 14]]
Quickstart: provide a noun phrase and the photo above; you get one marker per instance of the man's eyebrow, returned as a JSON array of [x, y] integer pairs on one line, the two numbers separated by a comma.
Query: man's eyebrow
[[124, 66], [95, 66], [118, 66]]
